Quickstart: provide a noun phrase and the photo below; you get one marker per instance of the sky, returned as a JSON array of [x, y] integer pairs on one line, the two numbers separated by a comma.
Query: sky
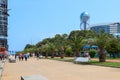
[[31, 21]]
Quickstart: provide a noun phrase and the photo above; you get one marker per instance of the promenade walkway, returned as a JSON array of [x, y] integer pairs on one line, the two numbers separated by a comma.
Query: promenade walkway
[[57, 70]]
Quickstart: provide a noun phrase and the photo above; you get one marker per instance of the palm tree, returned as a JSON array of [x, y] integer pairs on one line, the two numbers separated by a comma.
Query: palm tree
[[101, 40], [52, 49], [60, 43], [77, 45], [113, 47], [44, 49]]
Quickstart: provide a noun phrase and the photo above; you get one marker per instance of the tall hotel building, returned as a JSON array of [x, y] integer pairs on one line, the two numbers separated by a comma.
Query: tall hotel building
[[3, 23], [110, 28]]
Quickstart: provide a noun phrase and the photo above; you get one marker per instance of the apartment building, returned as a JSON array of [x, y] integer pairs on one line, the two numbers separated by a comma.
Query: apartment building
[[4, 23], [110, 28]]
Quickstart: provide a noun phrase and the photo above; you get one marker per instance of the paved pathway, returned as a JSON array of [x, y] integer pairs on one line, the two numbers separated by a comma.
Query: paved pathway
[[57, 70]]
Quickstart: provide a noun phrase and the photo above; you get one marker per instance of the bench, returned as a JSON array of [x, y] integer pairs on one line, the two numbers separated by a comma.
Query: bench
[[81, 59], [40, 57], [12, 59], [33, 77]]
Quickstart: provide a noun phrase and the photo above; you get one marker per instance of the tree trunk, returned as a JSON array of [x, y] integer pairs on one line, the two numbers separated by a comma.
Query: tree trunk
[[114, 55], [77, 54], [52, 55], [46, 55], [102, 56], [62, 55]]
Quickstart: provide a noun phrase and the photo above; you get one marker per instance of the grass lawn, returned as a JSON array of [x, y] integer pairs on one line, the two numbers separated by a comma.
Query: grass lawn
[[107, 64], [91, 62]]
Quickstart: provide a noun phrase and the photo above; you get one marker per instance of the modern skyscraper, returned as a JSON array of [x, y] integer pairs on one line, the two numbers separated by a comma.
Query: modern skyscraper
[[110, 28], [3, 23]]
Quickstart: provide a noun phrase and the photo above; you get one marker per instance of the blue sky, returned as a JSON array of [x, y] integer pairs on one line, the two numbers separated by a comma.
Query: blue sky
[[31, 21]]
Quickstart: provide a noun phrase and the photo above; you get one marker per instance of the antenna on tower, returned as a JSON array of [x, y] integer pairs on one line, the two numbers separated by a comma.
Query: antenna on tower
[[84, 17]]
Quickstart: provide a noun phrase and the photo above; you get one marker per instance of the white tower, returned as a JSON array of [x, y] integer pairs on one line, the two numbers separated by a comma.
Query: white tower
[[84, 17]]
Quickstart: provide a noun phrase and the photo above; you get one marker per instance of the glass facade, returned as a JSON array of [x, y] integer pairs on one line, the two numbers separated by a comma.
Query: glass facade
[[110, 28], [3, 23]]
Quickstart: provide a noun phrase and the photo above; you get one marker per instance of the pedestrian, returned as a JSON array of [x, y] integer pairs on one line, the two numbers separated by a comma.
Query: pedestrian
[[22, 57], [15, 56], [26, 56], [19, 56]]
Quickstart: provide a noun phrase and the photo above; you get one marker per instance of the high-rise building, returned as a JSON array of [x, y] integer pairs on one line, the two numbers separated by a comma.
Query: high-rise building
[[3, 23], [110, 28]]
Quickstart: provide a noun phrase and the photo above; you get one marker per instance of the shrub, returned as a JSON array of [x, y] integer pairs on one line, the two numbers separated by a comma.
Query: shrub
[[92, 53], [68, 52]]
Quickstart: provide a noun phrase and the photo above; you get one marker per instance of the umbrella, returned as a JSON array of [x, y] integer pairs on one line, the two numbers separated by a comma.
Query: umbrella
[[94, 46], [4, 52], [1, 52], [86, 46]]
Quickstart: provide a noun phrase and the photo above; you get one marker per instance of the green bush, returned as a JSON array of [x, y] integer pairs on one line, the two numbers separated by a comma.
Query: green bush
[[92, 53], [68, 52]]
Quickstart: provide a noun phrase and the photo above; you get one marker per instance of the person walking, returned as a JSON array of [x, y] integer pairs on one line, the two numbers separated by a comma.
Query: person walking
[[26, 56], [22, 57], [19, 56]]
